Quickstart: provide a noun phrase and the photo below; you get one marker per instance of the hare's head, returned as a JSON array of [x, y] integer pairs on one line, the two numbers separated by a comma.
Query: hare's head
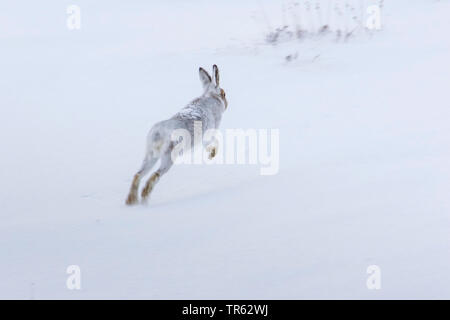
[[210, 87]]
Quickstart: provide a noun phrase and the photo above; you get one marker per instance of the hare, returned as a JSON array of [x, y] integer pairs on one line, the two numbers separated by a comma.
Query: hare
[[207, 109]]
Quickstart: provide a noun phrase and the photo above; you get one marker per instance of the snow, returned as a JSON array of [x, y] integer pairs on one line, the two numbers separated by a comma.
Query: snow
[[364, 155]]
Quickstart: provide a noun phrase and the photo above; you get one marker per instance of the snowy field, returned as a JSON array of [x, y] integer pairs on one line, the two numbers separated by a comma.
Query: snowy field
[[364, 174]]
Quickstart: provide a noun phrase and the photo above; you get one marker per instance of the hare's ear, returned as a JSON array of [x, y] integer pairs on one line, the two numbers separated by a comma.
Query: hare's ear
[[205, 78], [216, 75]]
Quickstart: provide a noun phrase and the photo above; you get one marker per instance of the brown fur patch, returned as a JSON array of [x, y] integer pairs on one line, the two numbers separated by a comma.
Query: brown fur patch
[[132, 196], [149, 185]]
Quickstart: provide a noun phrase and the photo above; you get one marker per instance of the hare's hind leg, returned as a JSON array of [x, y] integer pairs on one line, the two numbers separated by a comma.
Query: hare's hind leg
[[166, 164], [148, 163]]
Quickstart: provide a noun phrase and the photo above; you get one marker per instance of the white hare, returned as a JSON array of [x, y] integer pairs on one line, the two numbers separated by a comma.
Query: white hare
[[207, 108]]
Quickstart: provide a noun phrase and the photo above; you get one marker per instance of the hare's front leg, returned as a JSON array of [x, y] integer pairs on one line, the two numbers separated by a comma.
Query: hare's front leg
[[148, 163], [166, 164], [211, 148], [212, 151]]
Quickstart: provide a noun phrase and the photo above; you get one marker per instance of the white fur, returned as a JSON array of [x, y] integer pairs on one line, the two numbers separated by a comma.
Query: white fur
[[207, 108]]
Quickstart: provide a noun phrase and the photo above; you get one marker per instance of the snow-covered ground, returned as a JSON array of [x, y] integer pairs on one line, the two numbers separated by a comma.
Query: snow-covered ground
[[364, 173]]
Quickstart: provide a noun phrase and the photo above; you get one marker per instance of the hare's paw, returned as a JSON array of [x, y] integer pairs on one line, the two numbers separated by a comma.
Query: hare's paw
[[131, 199], [212, 151], [132, 196], [146, 191]]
